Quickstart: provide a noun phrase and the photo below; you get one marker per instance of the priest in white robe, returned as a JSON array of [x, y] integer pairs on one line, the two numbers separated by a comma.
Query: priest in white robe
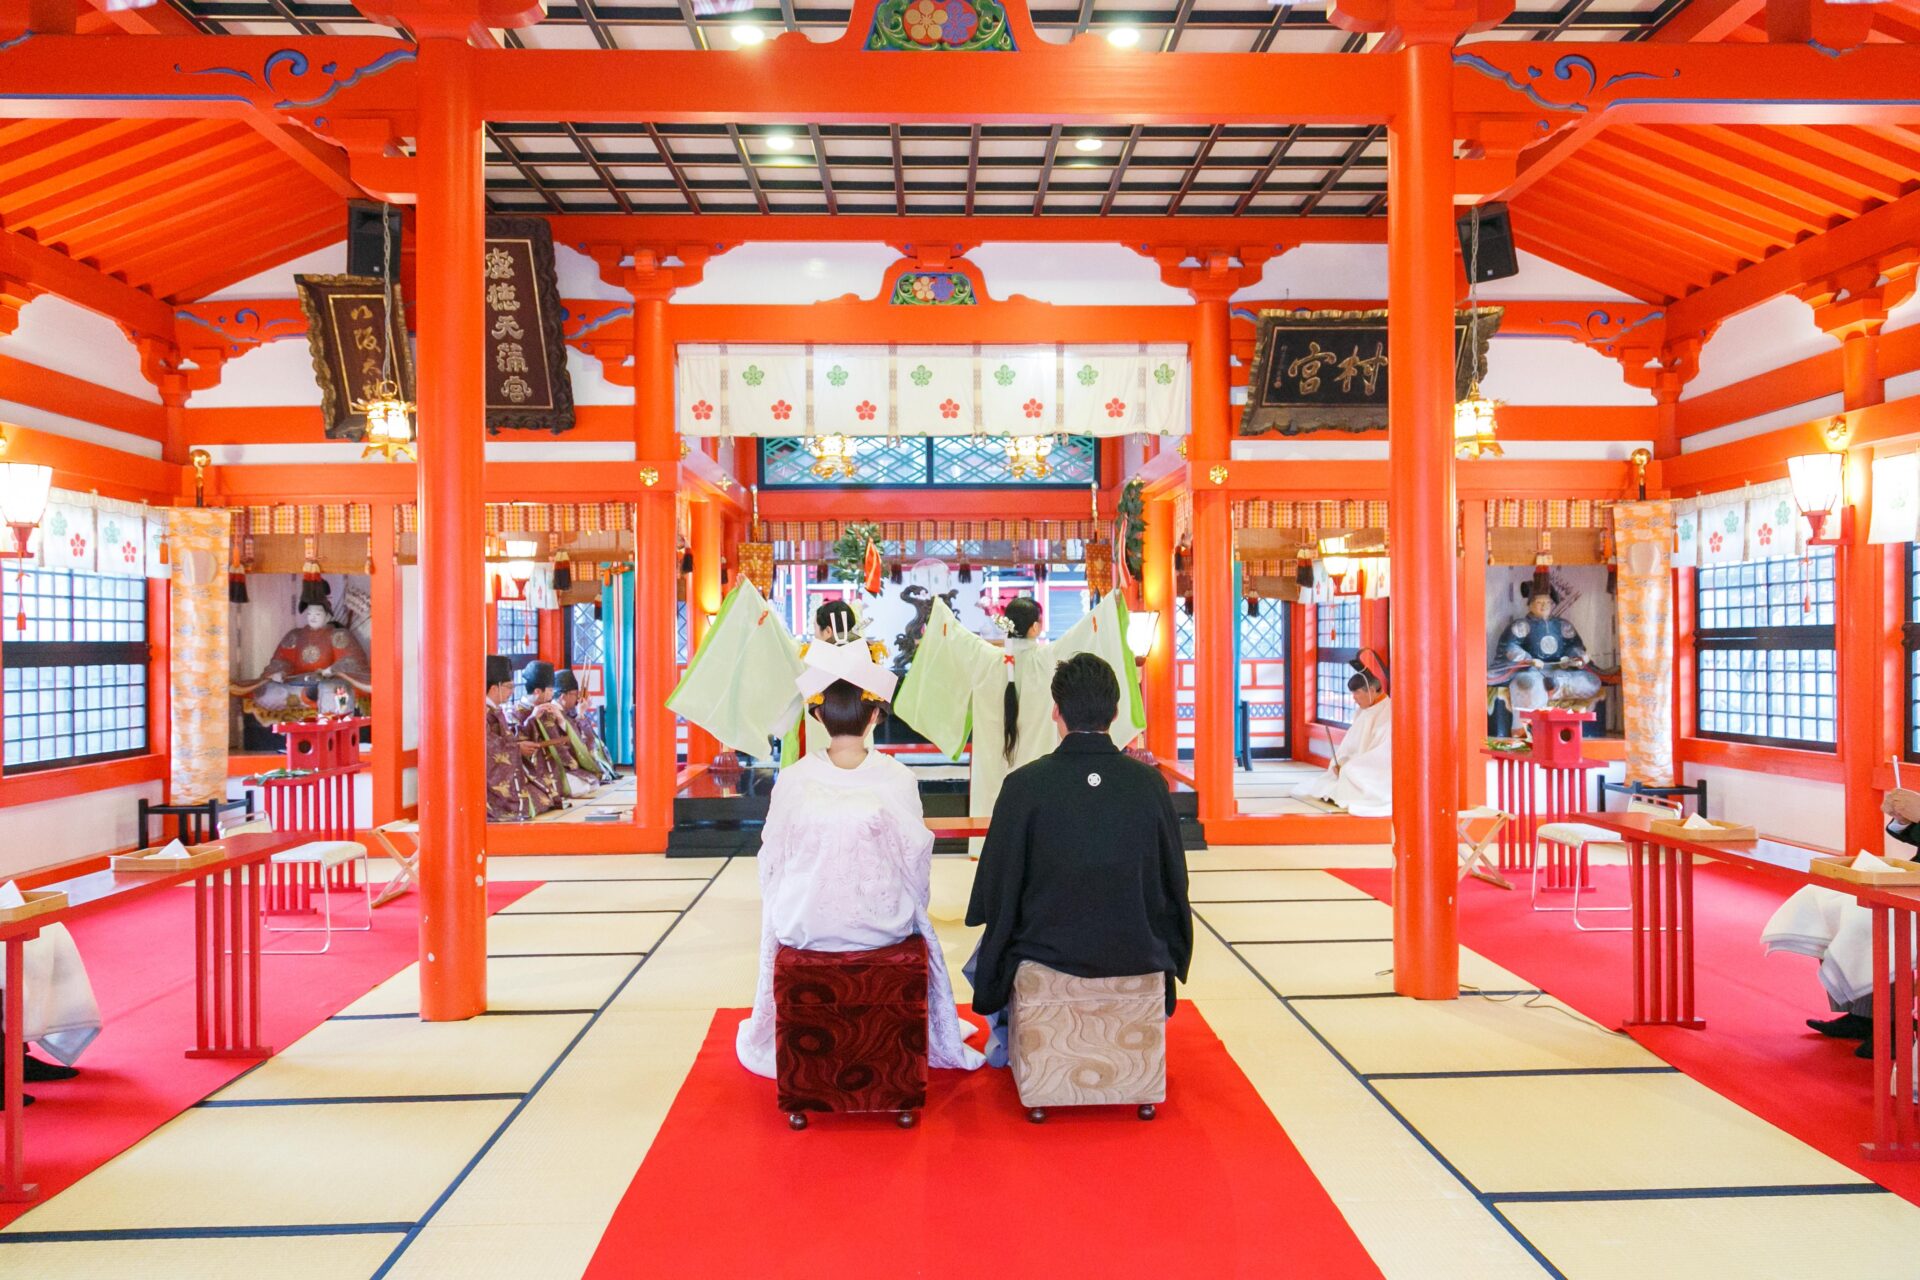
[[62, 1016], [1360, 779], [846, 857], [1832, 927], [1002, 695]]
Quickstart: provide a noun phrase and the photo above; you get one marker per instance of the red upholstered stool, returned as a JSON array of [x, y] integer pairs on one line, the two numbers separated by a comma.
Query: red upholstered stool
[[850, 1030]]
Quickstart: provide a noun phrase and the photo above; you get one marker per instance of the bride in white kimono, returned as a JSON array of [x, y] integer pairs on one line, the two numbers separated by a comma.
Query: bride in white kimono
[[846, 857], [1360, 779], [960, 684]]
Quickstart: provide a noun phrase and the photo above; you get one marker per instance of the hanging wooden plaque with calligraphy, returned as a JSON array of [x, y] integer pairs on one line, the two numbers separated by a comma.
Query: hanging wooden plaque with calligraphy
[[348, 333], [1327, 370], [528, 387]]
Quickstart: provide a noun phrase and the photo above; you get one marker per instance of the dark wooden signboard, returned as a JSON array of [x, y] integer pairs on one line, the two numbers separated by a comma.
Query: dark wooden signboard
[[348, 332], [1328, 370], [528, 387]]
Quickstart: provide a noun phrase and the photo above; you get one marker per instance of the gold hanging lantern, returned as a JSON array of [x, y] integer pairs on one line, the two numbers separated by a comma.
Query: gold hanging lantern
[[1027, 457], [1473, 425], [833, 455]]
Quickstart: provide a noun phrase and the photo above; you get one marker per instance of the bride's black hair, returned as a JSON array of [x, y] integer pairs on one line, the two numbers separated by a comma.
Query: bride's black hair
[[845, 710], [1024, 613]]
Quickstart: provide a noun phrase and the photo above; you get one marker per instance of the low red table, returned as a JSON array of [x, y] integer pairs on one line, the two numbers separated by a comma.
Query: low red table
[[226, 960]]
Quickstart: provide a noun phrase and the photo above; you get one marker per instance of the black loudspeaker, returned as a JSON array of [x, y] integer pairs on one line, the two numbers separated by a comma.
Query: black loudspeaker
[[365, 255], [1492, 257]]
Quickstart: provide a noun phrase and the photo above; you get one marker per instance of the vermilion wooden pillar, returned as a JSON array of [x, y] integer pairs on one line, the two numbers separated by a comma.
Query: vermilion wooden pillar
[[1213, 603], [1156, 585], [1864, 737], [1425, 630], [655, 564], [703, 601], [451, 322], [388, 698]]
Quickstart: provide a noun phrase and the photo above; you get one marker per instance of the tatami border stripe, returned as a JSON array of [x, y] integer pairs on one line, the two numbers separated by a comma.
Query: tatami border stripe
[[1690, 1193], [205, 1233], [568, 955], [1662, 1070], [490, 1013], [630, 911], [1288, 942], [351, 1101]]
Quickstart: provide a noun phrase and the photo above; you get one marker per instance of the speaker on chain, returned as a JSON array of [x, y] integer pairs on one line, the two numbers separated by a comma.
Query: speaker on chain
[[1486, 243], [365, 255]]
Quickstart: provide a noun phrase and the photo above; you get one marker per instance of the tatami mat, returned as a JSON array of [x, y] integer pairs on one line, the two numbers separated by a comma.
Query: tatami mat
[[610, 866], [607, 895], [1845, 1237], [1257, 886], [573, 934], [515, 984], [1521, 1033], [1300, 921], [265, 1166], [1254, 857], [252, 1258], [404, 1057], [1603, 1132], [1357, 968]]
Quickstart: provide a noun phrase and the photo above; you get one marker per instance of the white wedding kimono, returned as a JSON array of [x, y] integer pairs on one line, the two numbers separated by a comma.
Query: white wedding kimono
[[957, 686], [1363, 784], [61, 1014], [845, 860]]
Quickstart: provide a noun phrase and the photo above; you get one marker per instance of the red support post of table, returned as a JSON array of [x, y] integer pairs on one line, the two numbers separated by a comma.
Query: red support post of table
[[14, 1188], [1420, 302], [451, 222]]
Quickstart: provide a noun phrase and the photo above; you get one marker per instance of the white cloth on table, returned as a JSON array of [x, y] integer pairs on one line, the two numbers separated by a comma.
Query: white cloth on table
[[1363, 784], [62, 1016], [845, 865], [1833, 928]]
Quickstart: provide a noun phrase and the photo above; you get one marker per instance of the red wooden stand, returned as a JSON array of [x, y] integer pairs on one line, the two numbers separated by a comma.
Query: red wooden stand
[[1543, 784], [317, 805]]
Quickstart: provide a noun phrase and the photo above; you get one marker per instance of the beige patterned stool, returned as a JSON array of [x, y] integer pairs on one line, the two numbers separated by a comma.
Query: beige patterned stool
[[1087, 1042]]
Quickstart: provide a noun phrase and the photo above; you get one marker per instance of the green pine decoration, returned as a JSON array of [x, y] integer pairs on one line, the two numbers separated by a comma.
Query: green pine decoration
[[1132, 511], [849, 551]]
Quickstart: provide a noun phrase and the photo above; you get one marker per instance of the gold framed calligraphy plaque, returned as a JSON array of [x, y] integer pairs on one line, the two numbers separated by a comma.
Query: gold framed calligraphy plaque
[[528, 387], [348, 330], [1328, 370]]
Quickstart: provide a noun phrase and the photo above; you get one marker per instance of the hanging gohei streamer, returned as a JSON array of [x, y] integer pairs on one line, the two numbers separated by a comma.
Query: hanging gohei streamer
[[528, 386]]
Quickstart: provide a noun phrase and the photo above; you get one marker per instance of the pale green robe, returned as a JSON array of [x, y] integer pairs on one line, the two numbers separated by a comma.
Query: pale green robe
[[957, 686], [740, 685]]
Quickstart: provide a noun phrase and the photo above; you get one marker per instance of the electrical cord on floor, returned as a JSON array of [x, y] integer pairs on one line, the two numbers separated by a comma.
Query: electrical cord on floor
[[1533, 1002]]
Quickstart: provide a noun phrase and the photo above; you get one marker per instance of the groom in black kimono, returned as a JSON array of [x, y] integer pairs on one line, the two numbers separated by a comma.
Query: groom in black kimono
[[1082, 868]]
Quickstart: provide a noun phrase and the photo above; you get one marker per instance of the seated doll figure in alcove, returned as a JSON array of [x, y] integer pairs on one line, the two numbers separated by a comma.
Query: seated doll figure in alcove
[[317, 668], [1542, 659]]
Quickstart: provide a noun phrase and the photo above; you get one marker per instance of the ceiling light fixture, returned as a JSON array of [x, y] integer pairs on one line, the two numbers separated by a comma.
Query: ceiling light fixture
[[1088, 143], [1124, 37], [779, 141], [746, 33]]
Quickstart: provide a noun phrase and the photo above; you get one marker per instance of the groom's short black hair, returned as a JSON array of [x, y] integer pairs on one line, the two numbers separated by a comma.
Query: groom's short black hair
[[1087, 693]]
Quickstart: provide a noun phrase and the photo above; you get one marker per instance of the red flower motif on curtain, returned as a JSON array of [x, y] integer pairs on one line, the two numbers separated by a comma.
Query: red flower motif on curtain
[[865, 410], [1033, 408], [128, 551], [77, 545], [1764, 535], [782, 411], [702, 410], [1714, 542], [1116, 407], [949, 409]]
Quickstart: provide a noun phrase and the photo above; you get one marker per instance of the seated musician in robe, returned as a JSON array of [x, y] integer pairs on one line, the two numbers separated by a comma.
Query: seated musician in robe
[[1360, 779], [1833, 928], [846, 858], [538, 730], [62, 1017], [594, 761], [511, 796]]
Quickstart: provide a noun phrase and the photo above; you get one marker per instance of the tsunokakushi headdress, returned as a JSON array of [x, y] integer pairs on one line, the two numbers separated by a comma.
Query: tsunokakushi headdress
[[854, 663]]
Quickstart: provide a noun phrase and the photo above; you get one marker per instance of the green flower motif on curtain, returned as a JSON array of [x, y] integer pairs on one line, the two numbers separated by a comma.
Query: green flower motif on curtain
[[1088, 375], [1686, 529], [1732, 521], [921, 375], [1004, 375], [837, 376], [57, 524], [109, 533], [753, 375], [1783, 515], [1164, 374]]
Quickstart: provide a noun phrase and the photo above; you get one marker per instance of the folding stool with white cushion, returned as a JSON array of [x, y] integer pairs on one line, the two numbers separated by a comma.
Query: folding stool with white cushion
[[1581, 838]]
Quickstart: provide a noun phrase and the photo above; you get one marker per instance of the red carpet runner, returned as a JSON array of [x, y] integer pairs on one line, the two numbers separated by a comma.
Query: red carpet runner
[[1211, 1188], [136, 1077], [1755, 1050]]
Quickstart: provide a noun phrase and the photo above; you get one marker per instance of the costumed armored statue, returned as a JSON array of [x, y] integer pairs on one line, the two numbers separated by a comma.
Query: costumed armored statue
[[1542, 660], [318, 666]]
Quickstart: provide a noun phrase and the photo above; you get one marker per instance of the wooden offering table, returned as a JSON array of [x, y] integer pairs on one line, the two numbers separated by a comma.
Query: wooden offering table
[[1542, 782], [226, 960]]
